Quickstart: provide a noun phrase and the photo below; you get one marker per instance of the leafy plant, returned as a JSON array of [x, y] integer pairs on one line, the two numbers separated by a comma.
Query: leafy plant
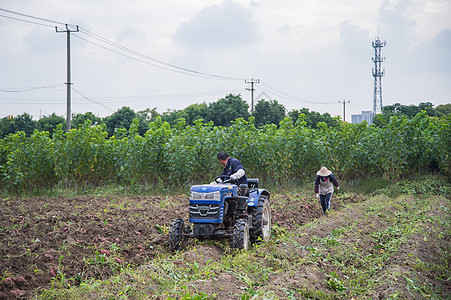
[[171, 156], [334, 282]]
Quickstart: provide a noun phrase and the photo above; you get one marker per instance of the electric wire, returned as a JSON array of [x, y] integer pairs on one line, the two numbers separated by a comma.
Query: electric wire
[[27, 89], [285, 95], [356, 106], [154, 98], [32, 17], [146, 62], [353, 109], [163, 65], [95, 36], [121, 99], [32, 22], [89, 99], [150, 60]]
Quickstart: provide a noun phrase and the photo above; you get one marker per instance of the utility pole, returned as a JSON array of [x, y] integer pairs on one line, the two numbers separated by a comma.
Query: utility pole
[[68, 31], [252, 81], [344, 108]]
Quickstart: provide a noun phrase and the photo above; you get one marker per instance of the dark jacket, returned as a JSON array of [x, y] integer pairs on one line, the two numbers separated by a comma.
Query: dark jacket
[[231, 167]]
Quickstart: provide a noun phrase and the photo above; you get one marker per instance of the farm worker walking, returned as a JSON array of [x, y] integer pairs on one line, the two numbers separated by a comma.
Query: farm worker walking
[[324, 187], [232, 167]]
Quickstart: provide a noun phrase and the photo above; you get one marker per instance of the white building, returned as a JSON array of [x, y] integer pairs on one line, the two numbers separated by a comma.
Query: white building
[[366, 115]]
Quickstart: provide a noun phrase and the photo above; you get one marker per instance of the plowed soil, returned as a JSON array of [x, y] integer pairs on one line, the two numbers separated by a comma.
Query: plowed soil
[[42, 238], [37, 234]]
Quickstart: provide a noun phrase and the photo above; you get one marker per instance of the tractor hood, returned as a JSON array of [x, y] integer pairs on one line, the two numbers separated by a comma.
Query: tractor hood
[[207, 188], [206, 202], [209, 192]]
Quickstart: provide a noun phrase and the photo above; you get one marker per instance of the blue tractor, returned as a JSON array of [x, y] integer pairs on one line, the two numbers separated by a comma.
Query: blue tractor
[[225, 210]]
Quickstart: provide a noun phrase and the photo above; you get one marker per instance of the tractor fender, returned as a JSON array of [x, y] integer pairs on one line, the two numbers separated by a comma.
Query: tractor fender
[[254, 197]]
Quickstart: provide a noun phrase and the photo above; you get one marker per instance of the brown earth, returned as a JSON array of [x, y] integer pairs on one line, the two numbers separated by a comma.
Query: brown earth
[[37, 235], [43, 238]]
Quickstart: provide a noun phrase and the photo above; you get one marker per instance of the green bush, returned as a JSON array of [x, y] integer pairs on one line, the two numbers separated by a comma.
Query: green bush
[[183, 154]]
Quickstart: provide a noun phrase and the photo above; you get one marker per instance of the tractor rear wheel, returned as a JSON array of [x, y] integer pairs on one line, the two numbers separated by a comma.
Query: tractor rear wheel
[[261, 220], [176, 235], [240, 237]]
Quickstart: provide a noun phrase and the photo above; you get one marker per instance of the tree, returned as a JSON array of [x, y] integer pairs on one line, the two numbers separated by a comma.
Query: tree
[[122, 118], [190, 114], [80, 119], [228, 109], [49, 123], [6, 126], [24, 123], [427, 107], [443, 110], [400, 110], [268, 112], [148, 115], [171, 116], [312, 118], [195, 112]]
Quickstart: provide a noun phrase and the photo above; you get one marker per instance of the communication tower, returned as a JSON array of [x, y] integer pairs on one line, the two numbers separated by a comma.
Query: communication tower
[[378, 72]]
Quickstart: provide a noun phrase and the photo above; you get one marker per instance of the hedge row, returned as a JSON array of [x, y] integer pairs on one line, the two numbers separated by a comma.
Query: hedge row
[[186, 154]]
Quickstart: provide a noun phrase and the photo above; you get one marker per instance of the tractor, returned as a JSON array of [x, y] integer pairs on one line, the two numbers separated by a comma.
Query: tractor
[[225, 211]]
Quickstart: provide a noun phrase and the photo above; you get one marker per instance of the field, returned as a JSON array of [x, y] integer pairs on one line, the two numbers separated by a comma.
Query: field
[[388, 244]]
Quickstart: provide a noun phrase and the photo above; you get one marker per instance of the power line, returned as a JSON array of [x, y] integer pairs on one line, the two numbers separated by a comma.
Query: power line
[[17, 19], [89, 99], [124, 99], [354, 109], [290, 97], [129, 53], [163, 65], [128, 50], [356, 106], [31, 17], [27, 89], [136, 59]]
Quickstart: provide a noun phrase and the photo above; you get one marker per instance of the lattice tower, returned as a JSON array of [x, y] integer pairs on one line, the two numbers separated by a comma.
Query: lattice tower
[[378, 72]]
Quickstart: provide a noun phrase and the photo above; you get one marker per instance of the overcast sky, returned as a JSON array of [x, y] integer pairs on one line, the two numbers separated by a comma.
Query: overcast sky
[[168, 54]]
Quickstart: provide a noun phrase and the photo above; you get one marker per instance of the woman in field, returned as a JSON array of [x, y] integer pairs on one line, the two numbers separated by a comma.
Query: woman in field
[[324, 187]]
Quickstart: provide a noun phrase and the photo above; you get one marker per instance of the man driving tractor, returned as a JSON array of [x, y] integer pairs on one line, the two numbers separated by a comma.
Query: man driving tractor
[[232, 167], [232, 207]]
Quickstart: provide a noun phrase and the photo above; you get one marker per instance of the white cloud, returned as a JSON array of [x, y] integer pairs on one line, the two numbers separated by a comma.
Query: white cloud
[[130, 33], [225, 26], [41, 41]]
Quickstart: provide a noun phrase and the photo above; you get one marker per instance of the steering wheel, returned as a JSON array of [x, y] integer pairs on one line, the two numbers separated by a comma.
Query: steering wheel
[[224, 178]]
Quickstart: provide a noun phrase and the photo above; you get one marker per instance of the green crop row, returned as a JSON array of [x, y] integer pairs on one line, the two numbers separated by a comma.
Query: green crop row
[[176, 155]]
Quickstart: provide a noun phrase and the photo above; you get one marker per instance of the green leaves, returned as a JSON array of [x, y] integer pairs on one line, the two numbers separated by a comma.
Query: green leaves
[[28, 162], [186, 154]]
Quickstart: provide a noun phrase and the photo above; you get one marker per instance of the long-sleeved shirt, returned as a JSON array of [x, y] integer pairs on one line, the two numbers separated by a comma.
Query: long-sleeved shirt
[[231, 167], [325, 184]]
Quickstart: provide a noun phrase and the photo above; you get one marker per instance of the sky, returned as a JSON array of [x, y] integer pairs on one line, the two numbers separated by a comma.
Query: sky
[[169, 54]]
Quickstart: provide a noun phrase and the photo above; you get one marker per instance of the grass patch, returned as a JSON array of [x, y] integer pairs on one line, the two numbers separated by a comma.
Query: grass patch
[[368, 185]]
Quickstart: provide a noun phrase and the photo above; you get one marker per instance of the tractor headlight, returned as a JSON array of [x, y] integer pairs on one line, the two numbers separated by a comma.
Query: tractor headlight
[[205, 196]]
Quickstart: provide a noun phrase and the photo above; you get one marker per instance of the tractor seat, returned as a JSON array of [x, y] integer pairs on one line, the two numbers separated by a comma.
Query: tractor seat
[[253, 183]]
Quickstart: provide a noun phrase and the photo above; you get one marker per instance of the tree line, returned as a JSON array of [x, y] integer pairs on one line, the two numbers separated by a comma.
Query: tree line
[[410, 111], [167, 156], [222, 113]]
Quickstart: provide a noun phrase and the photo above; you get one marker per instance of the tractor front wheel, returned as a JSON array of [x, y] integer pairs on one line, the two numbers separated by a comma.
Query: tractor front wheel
[[176, 235]]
